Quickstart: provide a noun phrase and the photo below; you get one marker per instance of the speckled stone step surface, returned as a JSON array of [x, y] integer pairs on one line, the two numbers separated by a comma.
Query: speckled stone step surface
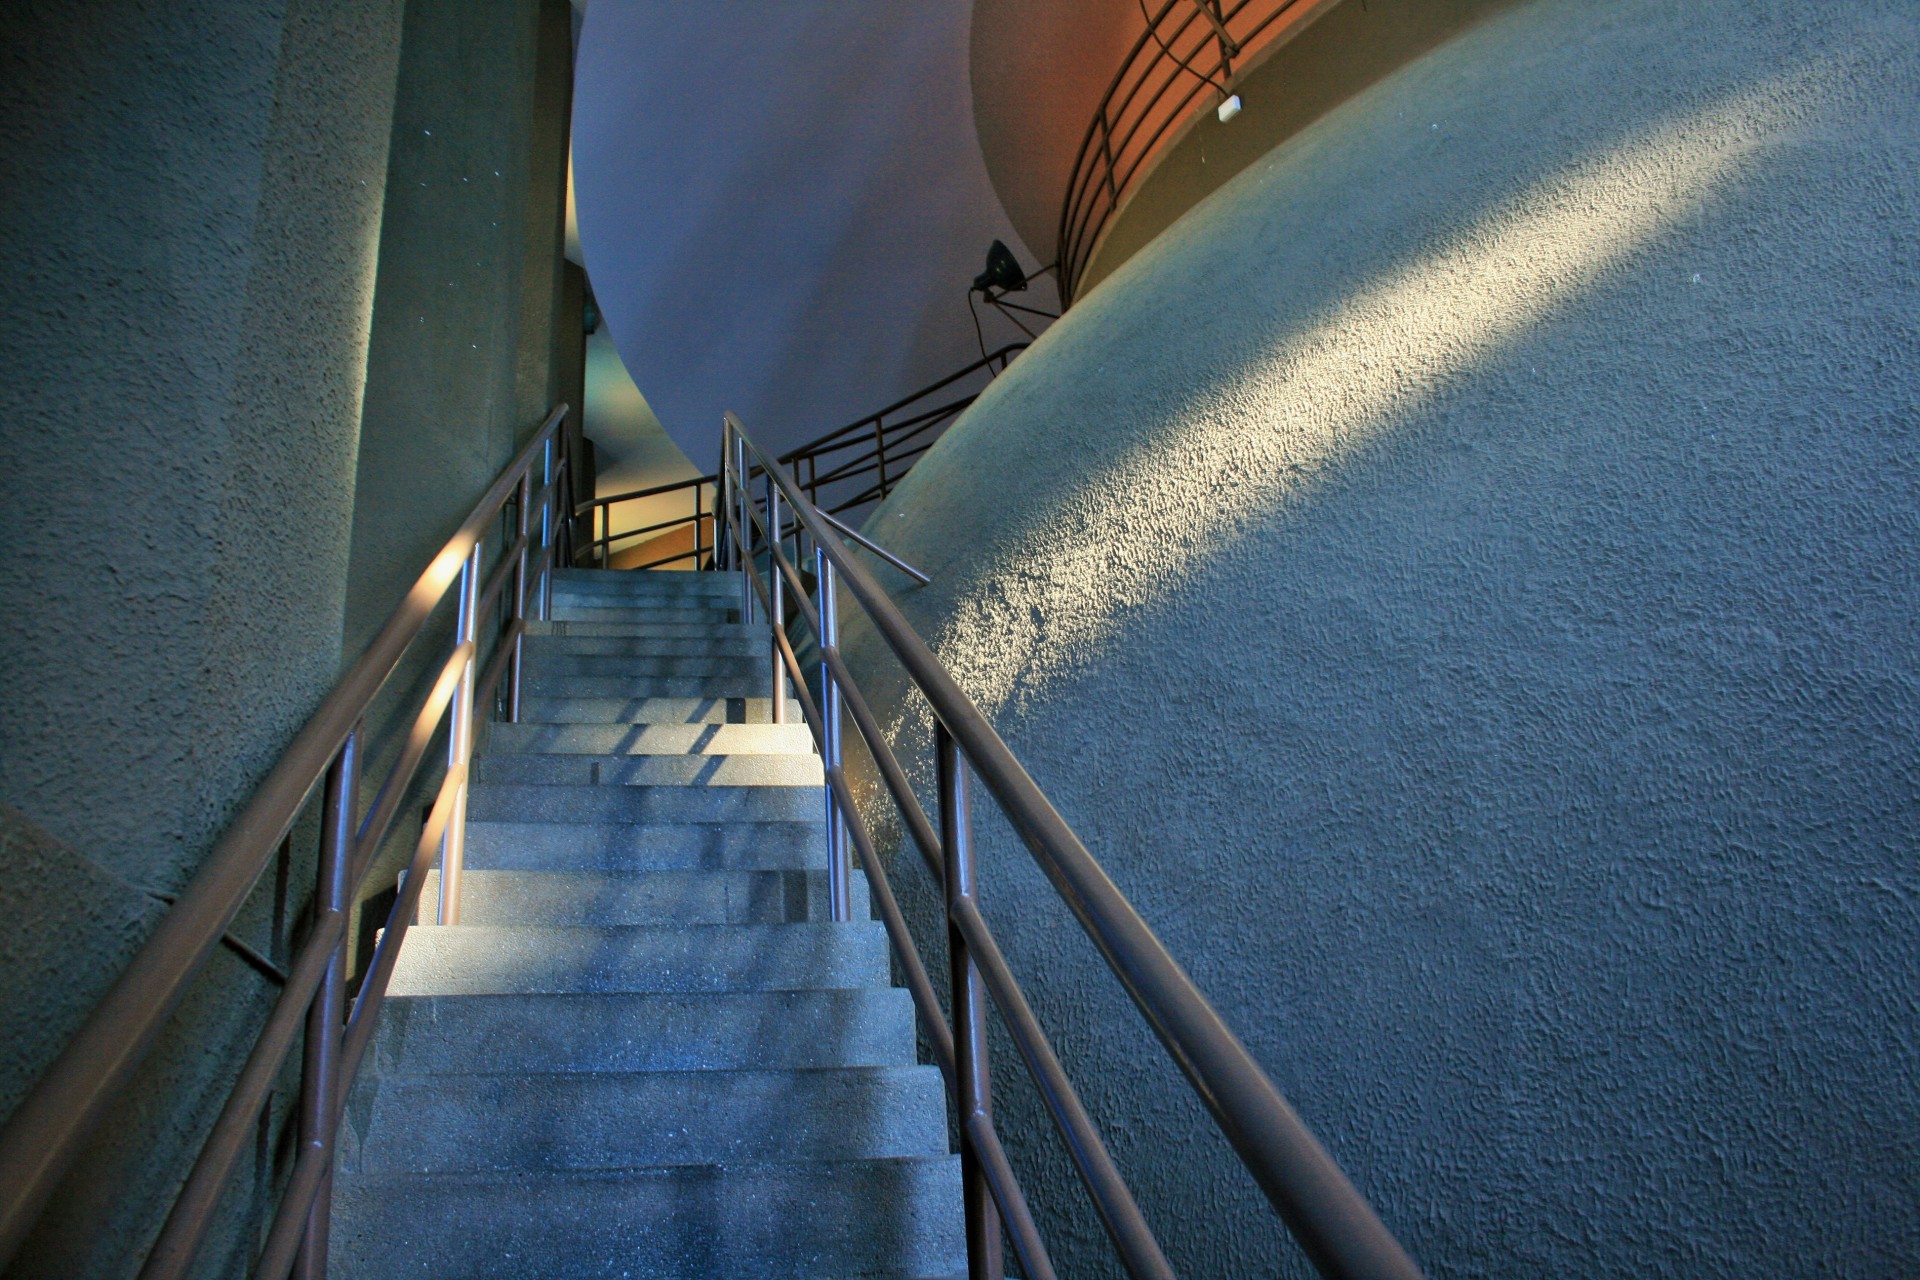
[[646, 1050]]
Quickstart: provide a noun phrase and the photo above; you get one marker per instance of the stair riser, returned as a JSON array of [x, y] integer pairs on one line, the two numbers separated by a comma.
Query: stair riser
[[725, 709], [659, 771], [674, 612], [724, 646], [460, 1123], [625, 582], [619, 846], [650, 898], [645, 630], [882, 1218], [541, 667], [707, 1031], [483, 960], [757, 683], [573, 805], [650, 739]]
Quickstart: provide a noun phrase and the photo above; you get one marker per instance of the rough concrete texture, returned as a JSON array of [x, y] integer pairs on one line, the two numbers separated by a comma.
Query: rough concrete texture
[[192, 203], [1460, 581]]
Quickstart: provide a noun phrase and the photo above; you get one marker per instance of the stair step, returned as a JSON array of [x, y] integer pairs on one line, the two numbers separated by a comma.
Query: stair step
[[642, 709], [800, 1221], [649, 770], [646, 897], [756, 683], [532, 802], [624, 582], [626, 1120], [505, 959], [650, 739], [626, 846], [677, 1031], [542, 666], [741, 642], [566, 611], [549, 629]]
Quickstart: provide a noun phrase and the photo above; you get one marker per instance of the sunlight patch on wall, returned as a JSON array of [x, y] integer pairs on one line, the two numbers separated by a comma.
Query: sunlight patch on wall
[[1246, 450]]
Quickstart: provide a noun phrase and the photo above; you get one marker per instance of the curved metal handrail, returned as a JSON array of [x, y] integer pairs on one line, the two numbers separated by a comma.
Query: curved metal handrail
[[869, 446], [1333, 1223], [1150, 97], [47, 1130]]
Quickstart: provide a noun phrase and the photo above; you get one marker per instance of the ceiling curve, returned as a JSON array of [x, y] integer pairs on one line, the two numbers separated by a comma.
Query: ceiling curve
[[781, 206]]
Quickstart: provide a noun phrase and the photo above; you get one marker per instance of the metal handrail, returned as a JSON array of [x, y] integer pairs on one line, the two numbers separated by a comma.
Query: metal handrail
[[1140, 111], [1333, 1223], [48, 1129], [867, 446]]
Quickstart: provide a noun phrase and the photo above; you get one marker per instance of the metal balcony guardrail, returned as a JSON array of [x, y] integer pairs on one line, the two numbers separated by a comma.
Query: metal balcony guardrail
[[1333, 1223], [1190, 50], [854, 465], [497, 565]]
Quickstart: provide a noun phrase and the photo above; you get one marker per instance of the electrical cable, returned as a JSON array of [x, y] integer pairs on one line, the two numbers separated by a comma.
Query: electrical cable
[[977, 335]]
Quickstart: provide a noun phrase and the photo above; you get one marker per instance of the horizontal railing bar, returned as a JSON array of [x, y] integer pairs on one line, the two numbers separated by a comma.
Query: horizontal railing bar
[[186, 1226], [1028, 1245], [878, 550], [895, 777], [239, 946], [624, 534], [46, 1130], [880, 889], [655, 564], [392, 793], [1333, 1223], [867, 420], [386, 953], [799, 597], [1119, 1213], [650, 493], [888, 431]]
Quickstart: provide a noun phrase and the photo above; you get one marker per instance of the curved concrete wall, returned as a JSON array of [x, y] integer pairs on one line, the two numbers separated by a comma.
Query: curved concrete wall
[[1461, 581]]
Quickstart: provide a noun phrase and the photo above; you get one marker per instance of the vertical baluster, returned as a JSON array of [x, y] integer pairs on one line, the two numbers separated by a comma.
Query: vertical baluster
[[319, 1079], [839, 872], [973, 1087], [744, 525], [697, 490], [776, 594], [522, 534], [880, 453], [453, 844], [545, 607]]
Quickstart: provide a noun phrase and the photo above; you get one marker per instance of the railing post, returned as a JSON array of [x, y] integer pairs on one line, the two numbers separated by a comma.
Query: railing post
[[545, 602], [698, 499], [839, 869], [519, 611], [453, 844], [319, 1078], [880, 453], [776, 595], [743, 527], [973, 1087]]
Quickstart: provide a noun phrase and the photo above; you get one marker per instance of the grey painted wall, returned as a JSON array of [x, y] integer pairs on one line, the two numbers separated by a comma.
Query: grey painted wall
[[1460, 578], [190, 197]]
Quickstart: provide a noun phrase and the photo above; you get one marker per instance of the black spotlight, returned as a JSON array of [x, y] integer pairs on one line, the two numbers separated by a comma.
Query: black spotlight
[[1003, 271]]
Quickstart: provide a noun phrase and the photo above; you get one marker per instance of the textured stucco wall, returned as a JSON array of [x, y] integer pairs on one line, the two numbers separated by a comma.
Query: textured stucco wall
[[190, 197], [1460, 579]]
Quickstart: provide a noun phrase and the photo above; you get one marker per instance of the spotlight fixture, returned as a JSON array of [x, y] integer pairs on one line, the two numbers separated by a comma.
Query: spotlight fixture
[[1003, 271], [1229, 109]]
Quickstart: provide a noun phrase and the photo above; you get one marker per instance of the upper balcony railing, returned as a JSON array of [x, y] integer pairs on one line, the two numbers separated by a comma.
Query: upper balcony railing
[[1187, 60]]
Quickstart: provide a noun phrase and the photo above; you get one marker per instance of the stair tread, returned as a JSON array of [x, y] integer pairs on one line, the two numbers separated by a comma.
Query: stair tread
[[640, 1031]]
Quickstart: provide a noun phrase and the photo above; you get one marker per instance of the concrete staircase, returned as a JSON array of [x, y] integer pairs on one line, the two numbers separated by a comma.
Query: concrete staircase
[[644, 1051]]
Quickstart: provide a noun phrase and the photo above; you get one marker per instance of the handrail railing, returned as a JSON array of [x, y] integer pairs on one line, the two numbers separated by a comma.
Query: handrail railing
[[1333, 1223], [884, 450], [1189, 49], [862, 461], [52, 1123]]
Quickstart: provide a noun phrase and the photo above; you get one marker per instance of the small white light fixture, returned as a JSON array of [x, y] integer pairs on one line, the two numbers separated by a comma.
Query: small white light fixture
[[1229, 109]]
